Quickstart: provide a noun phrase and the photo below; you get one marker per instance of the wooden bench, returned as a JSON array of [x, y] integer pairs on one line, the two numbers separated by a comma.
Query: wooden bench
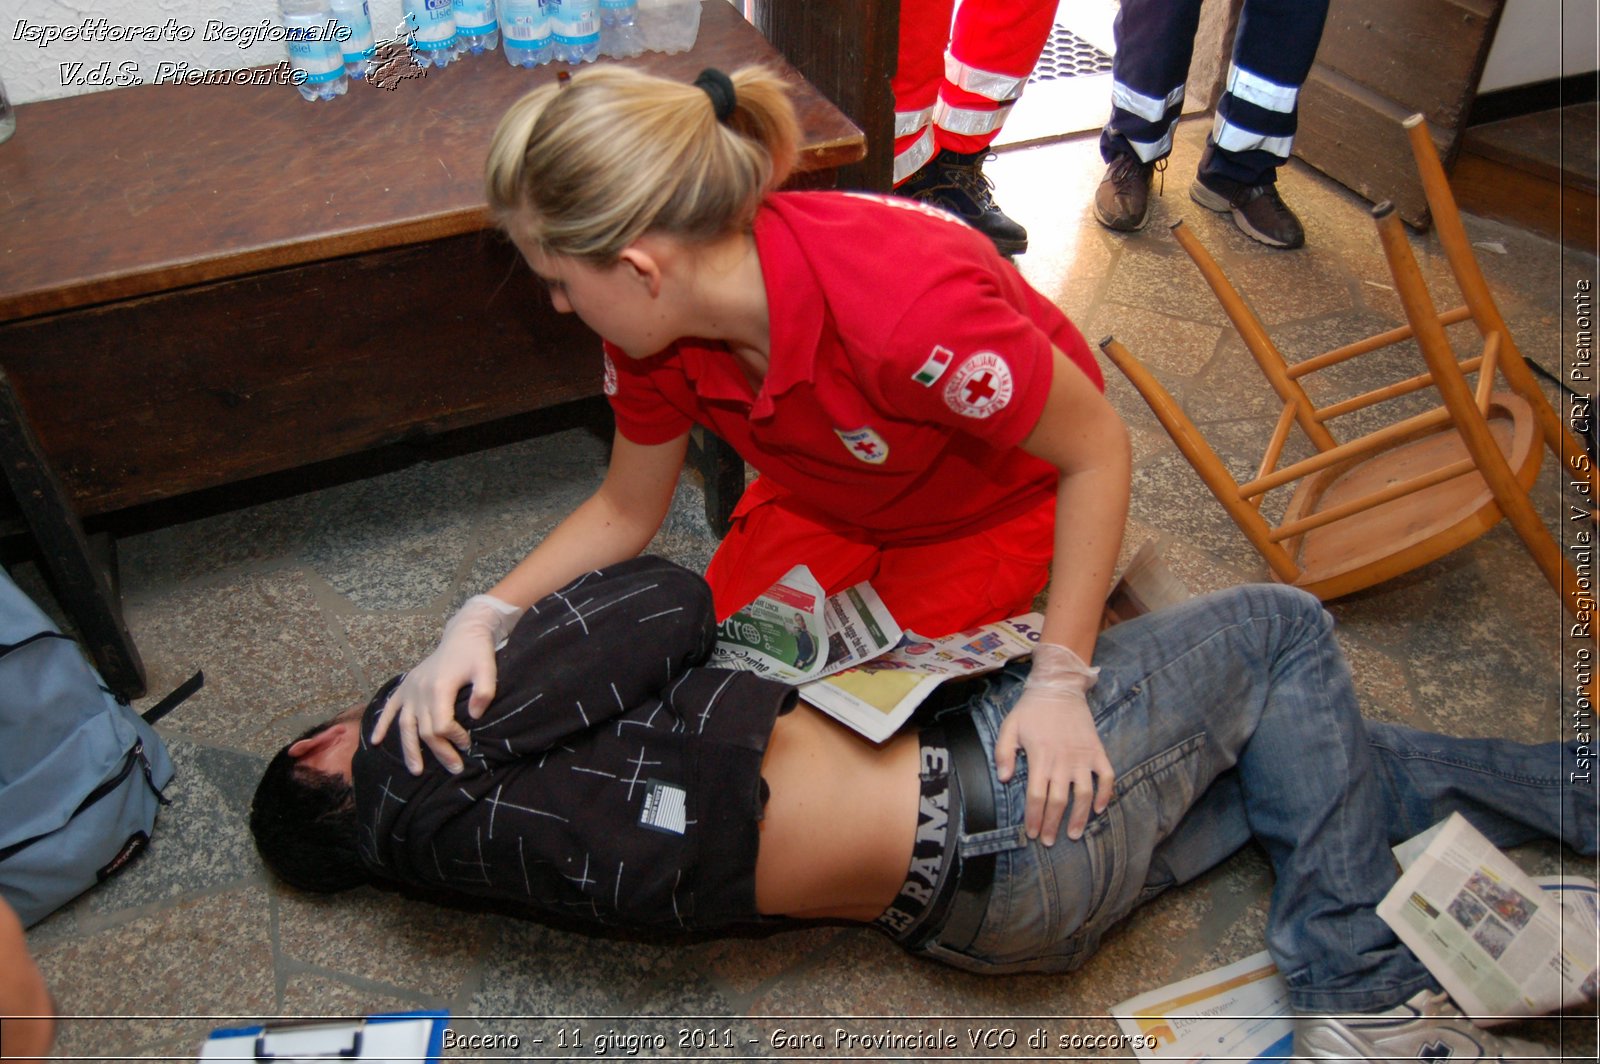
[[204, 284]]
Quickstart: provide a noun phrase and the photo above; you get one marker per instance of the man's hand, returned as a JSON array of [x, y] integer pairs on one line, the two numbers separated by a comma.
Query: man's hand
[[424, 701], [1052, 724]]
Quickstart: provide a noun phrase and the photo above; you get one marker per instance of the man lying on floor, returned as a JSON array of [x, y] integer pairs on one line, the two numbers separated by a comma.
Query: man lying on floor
[[617, 780]]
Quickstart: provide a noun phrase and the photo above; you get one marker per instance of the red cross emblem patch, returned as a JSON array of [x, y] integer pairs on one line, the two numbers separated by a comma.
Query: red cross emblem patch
[[608, 384], [980, 386], [864, 444]]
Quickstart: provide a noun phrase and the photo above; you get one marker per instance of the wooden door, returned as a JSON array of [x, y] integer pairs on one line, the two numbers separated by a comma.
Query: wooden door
[[1380, 62]]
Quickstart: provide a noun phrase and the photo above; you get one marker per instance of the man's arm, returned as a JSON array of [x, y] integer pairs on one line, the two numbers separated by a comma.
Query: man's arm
[[615, 523], [605, 643]]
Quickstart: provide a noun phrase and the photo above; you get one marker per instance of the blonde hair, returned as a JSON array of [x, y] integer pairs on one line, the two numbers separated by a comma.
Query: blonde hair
[[583, 170]]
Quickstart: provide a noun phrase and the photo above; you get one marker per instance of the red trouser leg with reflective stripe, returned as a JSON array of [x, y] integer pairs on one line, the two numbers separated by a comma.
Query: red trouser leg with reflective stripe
[[924, 35], [995, 41]]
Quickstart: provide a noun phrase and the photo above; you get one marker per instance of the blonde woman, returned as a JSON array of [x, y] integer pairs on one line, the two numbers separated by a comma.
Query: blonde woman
[[919, 415]]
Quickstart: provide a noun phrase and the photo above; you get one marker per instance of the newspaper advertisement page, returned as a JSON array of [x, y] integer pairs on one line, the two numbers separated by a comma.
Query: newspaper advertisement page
[[1487, 931], [858, 629], [1238, 1012], [793, 634], [1580, 904], [876, 697], [1579, 900], [780, 635]]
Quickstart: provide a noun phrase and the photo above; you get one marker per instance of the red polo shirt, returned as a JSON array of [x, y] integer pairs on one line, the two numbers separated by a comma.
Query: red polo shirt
[[907, 361]]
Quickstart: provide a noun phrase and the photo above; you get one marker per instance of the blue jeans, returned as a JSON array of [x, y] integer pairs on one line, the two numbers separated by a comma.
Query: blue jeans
[[1233, 717]]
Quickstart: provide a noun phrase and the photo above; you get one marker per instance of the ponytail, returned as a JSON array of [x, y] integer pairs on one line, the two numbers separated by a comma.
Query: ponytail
[[585, 169]]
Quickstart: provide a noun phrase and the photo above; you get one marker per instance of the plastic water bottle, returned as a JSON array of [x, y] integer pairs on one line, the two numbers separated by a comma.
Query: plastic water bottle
[[431, 30], [359, 47], [526, 27], [575, 25], [476, 29], [668, 25], [8, 117], [311, 40], [619, 28]]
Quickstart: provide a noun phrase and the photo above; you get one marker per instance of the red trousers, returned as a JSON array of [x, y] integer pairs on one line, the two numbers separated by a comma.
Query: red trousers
[[960, 104], [932, 589]]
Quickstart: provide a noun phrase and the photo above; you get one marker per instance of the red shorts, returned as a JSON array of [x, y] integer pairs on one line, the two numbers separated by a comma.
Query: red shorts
[[932, 589]]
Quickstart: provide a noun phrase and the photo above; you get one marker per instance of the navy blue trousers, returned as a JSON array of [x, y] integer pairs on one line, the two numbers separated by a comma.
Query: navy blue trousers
[[1254, 126]]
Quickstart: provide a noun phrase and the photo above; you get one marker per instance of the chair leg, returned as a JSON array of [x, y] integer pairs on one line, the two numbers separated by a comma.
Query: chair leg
[[1255, 338], [1458, 399], [1204, 460], [1475, 292]]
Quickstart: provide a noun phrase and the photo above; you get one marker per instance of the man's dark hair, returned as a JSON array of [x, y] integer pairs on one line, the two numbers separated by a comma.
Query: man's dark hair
[[304, 823]]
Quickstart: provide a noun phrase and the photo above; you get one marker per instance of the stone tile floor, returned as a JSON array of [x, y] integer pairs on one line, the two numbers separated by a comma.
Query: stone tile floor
[[299, 606]]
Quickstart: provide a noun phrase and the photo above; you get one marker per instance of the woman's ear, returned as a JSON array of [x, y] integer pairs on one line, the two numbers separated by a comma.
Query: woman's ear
[[644, 264]]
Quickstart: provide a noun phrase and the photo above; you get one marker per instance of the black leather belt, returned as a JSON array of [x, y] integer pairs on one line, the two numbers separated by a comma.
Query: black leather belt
[[964, 897]]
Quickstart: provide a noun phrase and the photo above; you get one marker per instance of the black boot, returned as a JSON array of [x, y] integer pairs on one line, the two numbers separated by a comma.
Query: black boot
[[956, 182]]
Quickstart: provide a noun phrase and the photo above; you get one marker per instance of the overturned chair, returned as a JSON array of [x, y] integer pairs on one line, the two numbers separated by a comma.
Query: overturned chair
[[1406, 493]]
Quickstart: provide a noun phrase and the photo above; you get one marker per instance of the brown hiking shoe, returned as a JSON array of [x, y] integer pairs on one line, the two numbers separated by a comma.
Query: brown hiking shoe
[[1257, 210], [1122, 201]]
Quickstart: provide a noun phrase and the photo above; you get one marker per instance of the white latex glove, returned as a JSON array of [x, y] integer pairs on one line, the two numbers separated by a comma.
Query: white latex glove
[[425, 699], [1052, 724]]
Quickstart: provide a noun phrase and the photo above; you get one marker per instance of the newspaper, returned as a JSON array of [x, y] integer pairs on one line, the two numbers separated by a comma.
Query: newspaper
[[1491, 935], [1580, 921], [849, 657], [1239, 1012], [877, 696], [1145, 586], [853, 662], [794, 634]]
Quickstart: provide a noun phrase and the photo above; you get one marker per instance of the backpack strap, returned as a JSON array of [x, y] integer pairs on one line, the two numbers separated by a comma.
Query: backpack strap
[[179, 695], [6, 648]]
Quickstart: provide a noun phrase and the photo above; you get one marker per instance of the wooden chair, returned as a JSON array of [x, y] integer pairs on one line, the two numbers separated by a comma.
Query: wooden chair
[[1370, 508]]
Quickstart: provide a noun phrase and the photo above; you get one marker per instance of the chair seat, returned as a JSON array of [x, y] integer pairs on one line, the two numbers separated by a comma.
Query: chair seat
[[1394, 537]]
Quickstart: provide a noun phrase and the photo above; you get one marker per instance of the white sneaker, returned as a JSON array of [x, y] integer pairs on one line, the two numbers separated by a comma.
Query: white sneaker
[[1427, 1028]]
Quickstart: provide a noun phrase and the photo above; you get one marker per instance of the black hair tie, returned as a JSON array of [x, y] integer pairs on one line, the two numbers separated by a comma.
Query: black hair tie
[[719, 87]]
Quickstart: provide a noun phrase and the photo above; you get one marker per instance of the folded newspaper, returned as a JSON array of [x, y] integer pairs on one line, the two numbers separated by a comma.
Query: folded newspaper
[[1503, 945], [1239, 1012], [1456, 904], [795, 634], [853, 662], [849, 657], [875, 697]]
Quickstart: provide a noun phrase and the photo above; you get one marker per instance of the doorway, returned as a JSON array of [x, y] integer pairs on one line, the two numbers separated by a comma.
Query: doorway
[[1069, 93]]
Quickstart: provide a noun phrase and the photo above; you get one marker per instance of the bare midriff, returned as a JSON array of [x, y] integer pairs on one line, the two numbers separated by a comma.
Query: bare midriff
[[840, 820]]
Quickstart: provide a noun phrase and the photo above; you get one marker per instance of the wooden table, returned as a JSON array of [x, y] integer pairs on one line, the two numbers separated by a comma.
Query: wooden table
[[203, 284]]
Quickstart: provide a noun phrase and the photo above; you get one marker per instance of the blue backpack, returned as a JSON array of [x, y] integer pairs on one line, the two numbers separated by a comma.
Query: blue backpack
[[81, 773]]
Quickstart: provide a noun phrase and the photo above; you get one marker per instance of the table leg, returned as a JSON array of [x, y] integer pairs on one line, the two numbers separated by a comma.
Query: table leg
[[86, 588], [722, 470]]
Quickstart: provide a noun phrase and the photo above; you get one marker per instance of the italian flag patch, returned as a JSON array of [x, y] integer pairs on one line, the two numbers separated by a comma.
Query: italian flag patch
[[934, 368]]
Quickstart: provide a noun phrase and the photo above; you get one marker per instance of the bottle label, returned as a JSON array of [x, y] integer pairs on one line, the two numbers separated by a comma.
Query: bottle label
[[474, 18], [432, 24], [619, 5], [526, 24], [575, 22], [360, 44], [313, 49]]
